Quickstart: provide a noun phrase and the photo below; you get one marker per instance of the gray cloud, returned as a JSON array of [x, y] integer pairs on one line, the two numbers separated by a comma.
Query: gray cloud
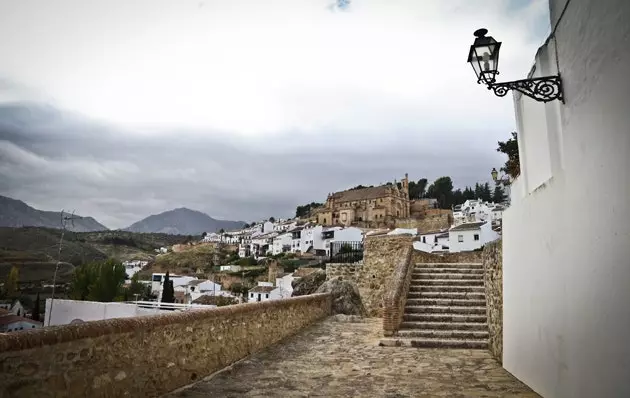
[[52, 160]]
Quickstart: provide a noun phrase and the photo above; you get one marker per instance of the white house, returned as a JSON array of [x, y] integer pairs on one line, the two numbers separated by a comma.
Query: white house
[[432, 241], [230, 268], [566, 255], [13, 323], [13, 306], [282, 243], [134, 266], [470, 236], [264, 291], [477, 210], [340, 234], [193, 289]]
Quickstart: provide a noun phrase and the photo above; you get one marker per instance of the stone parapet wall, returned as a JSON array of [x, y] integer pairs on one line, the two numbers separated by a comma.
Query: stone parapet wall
[[344, 272], [396, 294], [493, 281], [426, 223], [381, 256], [146, 356], [461, 257]]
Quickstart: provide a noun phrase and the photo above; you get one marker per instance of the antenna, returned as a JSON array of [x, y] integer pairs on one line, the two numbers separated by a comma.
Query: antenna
[[65, 219]]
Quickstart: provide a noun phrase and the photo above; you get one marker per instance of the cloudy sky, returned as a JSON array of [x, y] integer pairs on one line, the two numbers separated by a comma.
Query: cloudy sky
[[244, 109]]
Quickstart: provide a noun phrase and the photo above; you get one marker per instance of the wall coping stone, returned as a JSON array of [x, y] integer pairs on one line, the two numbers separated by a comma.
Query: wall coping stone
[[65, 333]]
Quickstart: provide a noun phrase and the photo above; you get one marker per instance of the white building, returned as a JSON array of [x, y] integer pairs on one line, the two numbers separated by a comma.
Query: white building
[[195, 288], [134, 266], [13, 323], [470, 236], [264, 291], [340, 234], [13, 306], [230, 268], [282, 243], [476, 211], [566, 267], [432, 241]]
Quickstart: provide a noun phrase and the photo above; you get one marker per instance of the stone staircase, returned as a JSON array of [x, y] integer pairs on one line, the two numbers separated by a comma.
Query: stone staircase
[[446, 308]]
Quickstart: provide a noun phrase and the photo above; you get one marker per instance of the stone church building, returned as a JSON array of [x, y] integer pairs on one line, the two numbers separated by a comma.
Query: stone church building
[[366, 206]]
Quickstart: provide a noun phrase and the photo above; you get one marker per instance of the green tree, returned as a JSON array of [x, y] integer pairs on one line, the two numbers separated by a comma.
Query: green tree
[[509, 147], [245, 226], [168, 292], [36, 309], [458, 197], [469, 194], [98, 282], [203, 235], [136, 287], [499, 194], [486, 192], [272, 219], [305, 210], [10, 289], [442, 190]]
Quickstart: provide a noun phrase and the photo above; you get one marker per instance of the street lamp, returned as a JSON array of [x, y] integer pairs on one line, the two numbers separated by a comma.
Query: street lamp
[[484, 59]]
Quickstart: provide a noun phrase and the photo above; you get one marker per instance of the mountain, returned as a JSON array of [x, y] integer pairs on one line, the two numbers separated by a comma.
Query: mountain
[[183, 221], [15, 213]]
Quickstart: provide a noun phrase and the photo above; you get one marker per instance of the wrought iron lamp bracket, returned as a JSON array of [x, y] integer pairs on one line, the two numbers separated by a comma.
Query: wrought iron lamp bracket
[[542, 89]]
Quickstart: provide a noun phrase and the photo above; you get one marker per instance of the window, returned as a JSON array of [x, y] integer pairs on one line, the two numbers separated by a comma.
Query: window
[[424, 239], [476, 237], [267, 295], [460, 238]]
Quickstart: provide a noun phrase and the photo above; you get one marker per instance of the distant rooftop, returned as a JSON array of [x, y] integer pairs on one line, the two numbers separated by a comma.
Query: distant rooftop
[[468, 226]]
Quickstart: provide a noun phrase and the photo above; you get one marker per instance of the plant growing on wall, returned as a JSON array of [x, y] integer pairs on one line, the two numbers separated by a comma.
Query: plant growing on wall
[[509, 147]]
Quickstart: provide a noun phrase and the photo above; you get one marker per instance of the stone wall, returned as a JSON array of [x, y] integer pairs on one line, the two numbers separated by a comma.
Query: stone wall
[[396, 294], [461, 257], [380, 256], [344, 272], [493, 281], [427, 223], [146, 356]]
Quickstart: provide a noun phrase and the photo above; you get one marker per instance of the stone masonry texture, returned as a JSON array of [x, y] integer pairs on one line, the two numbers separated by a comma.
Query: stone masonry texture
[[493, 282], [462, 257], [146, 356], [344, 272], [343, 359], [380, 257]]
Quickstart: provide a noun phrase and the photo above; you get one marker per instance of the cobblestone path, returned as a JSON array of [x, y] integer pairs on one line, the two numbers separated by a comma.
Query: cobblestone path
[[343, 359]]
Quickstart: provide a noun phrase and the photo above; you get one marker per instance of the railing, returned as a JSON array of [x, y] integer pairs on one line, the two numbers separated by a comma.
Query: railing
[[168, 306], [346, 252]]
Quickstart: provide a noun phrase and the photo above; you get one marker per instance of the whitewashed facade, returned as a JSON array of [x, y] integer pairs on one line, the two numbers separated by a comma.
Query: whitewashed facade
[[470, 236], [565, 249]]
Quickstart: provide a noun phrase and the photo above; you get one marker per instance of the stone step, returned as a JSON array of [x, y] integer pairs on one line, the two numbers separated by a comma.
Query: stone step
[[446, 282], [444, 317], [444, 334], [425, 342], [447, 288], [449, 265], [469, 302], [435, 293], [411, 325], [439, 309], [449, 270], [438, 275]]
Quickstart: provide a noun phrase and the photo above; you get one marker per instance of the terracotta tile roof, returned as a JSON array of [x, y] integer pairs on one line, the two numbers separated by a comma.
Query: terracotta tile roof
[[468, 226], [8, 319], [362, 194], [262, 289]]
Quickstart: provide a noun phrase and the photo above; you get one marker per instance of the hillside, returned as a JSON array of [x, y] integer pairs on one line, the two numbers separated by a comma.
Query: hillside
[[182, 221], [15, 213], [35, 250]]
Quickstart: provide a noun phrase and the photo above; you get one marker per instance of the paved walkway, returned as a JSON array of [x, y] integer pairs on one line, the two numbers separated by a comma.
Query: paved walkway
[[343, 359]]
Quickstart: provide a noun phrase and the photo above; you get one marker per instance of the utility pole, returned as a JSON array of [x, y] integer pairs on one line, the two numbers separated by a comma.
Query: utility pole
[[65, 219]]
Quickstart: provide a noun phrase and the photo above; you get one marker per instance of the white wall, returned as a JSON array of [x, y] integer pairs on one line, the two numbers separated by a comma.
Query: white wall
[[285, 285], [65, 311], [469, 243], [566, 264], [350, 234]]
